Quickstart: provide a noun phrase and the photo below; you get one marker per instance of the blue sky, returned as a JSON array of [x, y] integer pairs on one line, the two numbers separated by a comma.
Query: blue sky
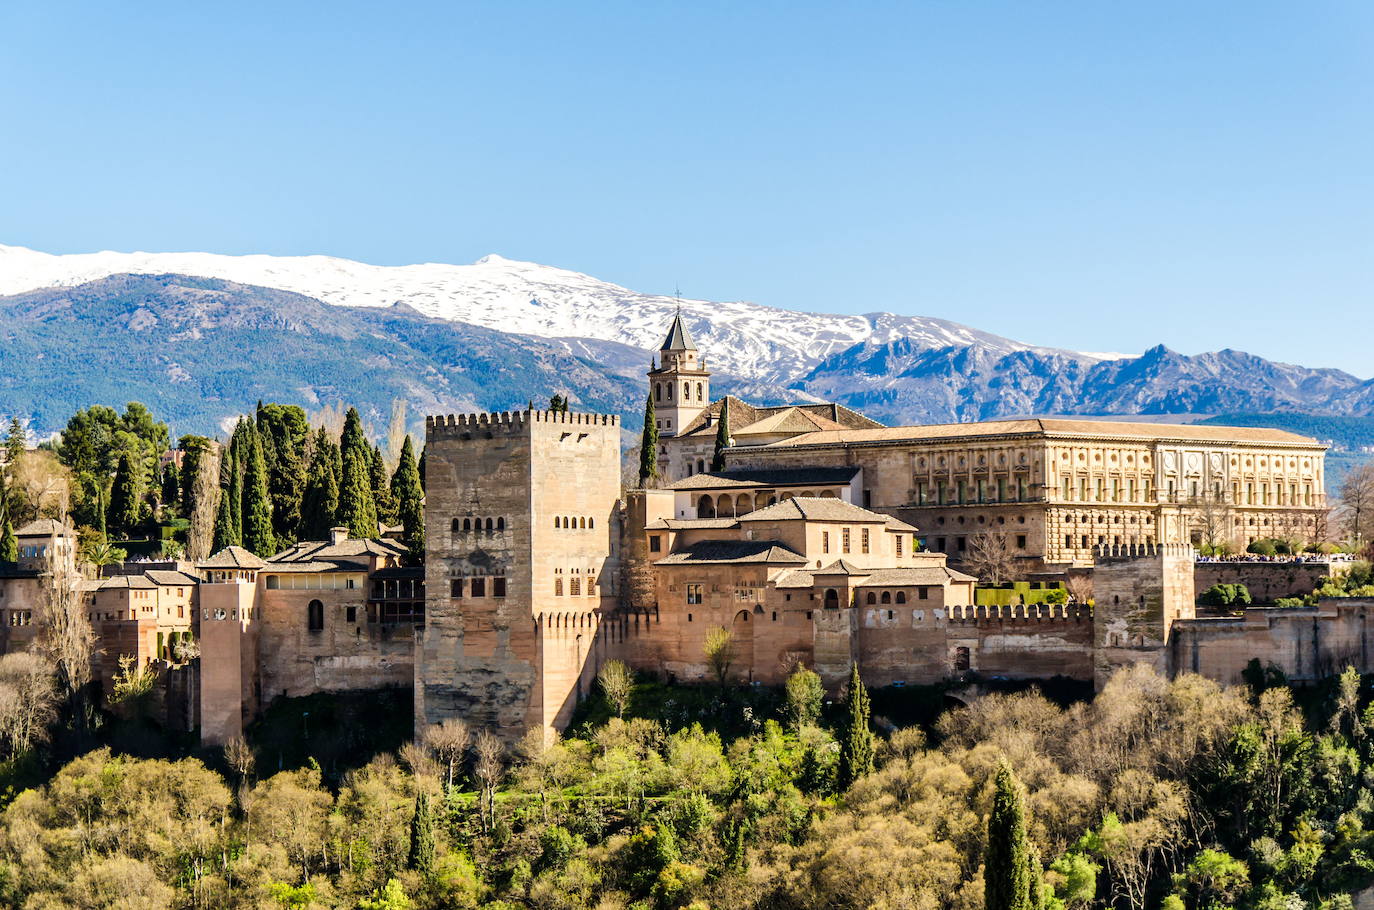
[[1100, 176]]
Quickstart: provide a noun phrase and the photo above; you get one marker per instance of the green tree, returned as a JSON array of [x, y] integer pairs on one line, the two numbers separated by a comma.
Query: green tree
[[320, 504], [390, 897], [804, 696], [421, 856], [723, 440], [9, 544], [558, 404], [648, 445], [284, 430], [126, 496], [410, 505], [171, 486], [226, 521], [193, 452], [1010, 874], [357, 510], [856, 739], [381, 489], [15, 443], [238, 462], [258, 536]]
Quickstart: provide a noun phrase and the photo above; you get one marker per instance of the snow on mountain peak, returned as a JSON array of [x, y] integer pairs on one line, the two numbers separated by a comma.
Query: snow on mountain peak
[[745, 339]]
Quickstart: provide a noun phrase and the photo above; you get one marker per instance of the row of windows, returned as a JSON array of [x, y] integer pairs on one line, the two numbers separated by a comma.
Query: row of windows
[[387, 613], [661, 387], [21, 617], [489, 525], [573, 521], [476, 586], [575, 586], [962, 492], [1085, 540], [941, 544], [846, 539]]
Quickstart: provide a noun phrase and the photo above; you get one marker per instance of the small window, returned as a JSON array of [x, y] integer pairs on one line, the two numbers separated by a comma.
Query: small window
[[871, 599], [455, 587], [351, 614], [498, 586], [479, 587], [863, 539], [315, 616], [901, 597], [689, 617], [844, 540], [500, 524], [694, 594], [1021, 541], [575, 586], [825, 541], [655, 543], [558, 586]]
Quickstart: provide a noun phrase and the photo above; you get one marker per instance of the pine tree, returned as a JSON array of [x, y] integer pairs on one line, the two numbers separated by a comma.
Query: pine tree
[[1009, 876], [171, 486], [558, 404], [320, 504], [856, 742], [381, 488], [410, 507], [258, 536], [421, 857], [357, 510], [723, 440], [126, 496], [648, 445], [9, 544], [15, 444]]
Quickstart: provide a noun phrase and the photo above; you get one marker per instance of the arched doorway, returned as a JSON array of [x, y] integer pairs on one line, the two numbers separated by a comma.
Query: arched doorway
[[832, 599], [706, 507]]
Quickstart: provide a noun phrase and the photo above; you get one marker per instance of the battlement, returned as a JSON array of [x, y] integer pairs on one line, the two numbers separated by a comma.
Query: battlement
[[1032, 613], [454, 426], [1104, 552]]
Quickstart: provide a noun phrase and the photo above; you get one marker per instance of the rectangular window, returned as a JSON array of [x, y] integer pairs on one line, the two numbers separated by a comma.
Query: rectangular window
[[1021, 541], [863, 540], [558, 587], [961, 544], [575, 586], [1085, 541], [1068, 488], [498, 586], [655, 543], [844, 540], [455, 587], [825, 541], [351, 614], [899, 544], [694, 594], [479, 587], [923, 593]]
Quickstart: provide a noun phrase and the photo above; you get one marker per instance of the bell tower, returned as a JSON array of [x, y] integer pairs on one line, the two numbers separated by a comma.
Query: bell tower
[[680, 382]]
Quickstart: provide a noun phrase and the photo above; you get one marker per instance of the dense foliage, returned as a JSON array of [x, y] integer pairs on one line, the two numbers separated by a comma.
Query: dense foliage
[[1156, 794]]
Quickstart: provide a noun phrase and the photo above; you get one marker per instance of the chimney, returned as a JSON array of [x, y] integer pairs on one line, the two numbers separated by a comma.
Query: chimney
[[338, 535]]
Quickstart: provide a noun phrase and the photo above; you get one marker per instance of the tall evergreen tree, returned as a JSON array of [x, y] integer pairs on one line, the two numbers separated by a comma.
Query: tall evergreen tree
[[421, 857], [421, 467], [9, 544], [238, 460], [381, 488], [558, 404], [357, 510], [226, 516], [320, 504], [126, 496], [258, 536], [193, 451], [15, 444], [98, 515], [648, 444], [1011, 879], [284, 430], [856, 739], [410, 507], [723, 440], [171, 486]]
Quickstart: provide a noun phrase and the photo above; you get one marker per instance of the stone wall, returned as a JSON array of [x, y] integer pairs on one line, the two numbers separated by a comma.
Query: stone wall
[[1139, 592], [1267, 581]]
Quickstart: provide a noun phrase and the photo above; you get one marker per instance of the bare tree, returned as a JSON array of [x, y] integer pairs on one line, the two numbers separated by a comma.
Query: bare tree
[[720, 652], [330, 417], [1211, 522], [1080, 588], [28, 701], [449, 740], [65, 635], [617, 682], [43, 484], [395, 434], [1355, 504], [205, 486], [488, 769], [990, 557]]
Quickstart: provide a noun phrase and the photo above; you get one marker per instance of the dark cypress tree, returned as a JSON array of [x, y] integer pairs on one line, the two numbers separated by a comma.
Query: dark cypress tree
[[226, 518], [421, 857], [284, 430], [15, 444], [421, 467], [410, 507], [357, 510], [320, 504], [126, 496], [238, 444], [171, 486], [258, 536], [193, 450], [722, 437], [648, 445], [381, 489], [9, 544], [856, 739], [99, 517], [1007, 864]]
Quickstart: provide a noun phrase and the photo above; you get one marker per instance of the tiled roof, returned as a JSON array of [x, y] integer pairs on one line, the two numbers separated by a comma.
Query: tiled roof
[[842, 567], [765, 477], [743, 414], [1054, 427], [169, 578], [734, 551], [896, 524], [141, 582], [685, 524], [232, 558], [679, 339], [913, 575], [351, 555], [814, 508], [43, 527]]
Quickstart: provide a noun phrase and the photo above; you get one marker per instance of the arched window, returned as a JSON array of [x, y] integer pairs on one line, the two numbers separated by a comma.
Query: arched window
[[706, 507], [658, 392], [591, 522], [315, 616], [670, 391], [467, 524], [887, 597], [456, 526], [491, 525], [584, 521], [872, 598], [699, 395], [901, 597], [701, 466], [557, 522], [501, 524], [832, 599]]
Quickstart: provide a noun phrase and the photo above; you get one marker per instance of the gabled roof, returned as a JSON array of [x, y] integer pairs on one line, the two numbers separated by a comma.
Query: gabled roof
[[814, 508], [43, 527], [687, 524], [351, 555], [734, 551], [679, 339], [792, 420], [169, 577], [141, 582], [913, 575], [765, 477], [232, 558], [743, 416], [842, 567]]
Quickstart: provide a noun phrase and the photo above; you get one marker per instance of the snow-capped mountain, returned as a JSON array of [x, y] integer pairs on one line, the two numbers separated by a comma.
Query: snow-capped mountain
[[750, 341]]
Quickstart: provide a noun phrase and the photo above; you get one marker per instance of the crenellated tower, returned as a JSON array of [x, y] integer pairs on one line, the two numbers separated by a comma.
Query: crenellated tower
[[679, 382]]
